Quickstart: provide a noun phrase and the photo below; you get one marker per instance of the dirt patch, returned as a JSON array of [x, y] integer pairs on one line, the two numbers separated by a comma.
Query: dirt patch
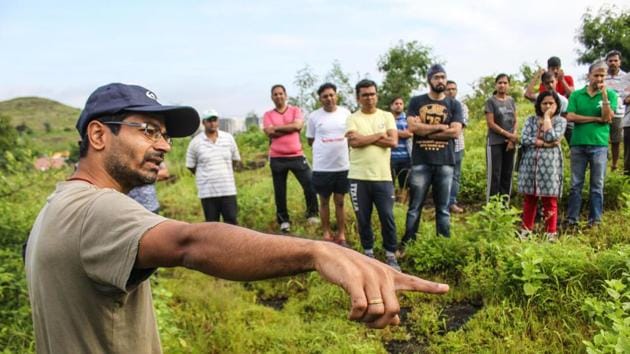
[[276, 303], [398, 346], [457, 314]]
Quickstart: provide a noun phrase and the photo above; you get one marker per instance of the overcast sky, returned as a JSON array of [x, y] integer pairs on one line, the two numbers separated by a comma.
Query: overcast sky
[[226, 54]]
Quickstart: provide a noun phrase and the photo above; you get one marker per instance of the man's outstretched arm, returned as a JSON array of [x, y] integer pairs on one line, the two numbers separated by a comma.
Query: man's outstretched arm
[[236, 253]]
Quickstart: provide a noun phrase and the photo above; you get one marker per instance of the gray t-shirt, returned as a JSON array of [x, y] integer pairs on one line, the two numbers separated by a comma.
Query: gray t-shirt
[[85, 295], [504, 115]]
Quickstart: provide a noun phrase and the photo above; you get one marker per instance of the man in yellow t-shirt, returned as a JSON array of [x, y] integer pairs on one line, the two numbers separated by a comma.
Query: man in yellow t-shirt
[[371, 134]]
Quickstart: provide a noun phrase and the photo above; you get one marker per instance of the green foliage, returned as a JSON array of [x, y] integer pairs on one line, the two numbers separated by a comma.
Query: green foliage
[[603, 31], [612, 317], [405, 67]]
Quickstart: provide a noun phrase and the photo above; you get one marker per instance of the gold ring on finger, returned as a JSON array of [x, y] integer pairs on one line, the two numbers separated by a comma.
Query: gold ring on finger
[[376, 301]]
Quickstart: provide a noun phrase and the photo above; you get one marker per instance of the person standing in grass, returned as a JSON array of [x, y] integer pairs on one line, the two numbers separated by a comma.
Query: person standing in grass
[[501, 118], [615, 82], [436, 121], [325, 130], [592, 109], [371, 134], [92, 249], [401, 154], [540, 174], [451, 91], [283, 125], [210, 157]]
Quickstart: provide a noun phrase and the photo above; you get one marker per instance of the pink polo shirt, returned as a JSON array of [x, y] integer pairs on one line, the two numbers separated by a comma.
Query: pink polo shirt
[[287, 145]]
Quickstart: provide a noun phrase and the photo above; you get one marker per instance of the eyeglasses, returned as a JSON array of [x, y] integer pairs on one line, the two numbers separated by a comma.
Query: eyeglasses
[[368, 94], [150, 131]]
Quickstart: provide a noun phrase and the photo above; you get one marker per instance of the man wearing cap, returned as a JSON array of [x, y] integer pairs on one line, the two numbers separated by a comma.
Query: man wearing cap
[[92, 248], [283, 125], [436, 121], [209, 157], [615, 82]]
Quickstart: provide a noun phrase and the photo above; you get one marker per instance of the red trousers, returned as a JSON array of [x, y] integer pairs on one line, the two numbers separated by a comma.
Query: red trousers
[[550, 208]]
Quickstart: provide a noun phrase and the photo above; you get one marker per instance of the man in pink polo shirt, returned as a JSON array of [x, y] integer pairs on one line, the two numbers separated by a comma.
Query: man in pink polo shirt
[[283, 125]]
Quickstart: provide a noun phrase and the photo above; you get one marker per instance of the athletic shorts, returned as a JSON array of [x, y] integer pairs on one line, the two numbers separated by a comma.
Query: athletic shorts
[[326, 183], [615, 130]]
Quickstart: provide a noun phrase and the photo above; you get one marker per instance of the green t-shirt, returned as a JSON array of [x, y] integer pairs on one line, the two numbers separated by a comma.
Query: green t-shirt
[[596, 134], [370, 163]]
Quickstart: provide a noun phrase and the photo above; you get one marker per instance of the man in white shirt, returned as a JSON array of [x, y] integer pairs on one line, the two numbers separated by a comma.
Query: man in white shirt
[[325, 131], [209, 157], [615, 82]]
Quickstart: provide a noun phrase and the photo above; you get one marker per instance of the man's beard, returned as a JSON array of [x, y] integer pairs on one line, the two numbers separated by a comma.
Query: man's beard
[[127, 177], [438, 89]]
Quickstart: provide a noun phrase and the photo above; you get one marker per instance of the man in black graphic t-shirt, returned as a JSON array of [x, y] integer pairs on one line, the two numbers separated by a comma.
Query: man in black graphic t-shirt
[[436, 121]]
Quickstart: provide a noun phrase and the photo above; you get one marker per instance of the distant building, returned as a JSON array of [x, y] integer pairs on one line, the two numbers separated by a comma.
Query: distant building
[[252, 121], [231, 125]]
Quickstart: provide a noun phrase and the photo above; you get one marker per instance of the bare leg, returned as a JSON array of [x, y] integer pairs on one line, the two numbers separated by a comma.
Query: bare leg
[[324, 214], [341, 216]]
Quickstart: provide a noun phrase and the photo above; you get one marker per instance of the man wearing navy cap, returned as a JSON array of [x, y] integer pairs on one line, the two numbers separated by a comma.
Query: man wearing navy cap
[[91, 248], [436, 121]]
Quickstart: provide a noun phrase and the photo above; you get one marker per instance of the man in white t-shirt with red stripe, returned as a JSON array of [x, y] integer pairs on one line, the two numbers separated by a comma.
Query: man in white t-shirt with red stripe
[[325, 131], [283, 125]]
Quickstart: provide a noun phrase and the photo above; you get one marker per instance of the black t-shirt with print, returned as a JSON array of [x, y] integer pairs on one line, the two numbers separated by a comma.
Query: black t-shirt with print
[[428, 151]]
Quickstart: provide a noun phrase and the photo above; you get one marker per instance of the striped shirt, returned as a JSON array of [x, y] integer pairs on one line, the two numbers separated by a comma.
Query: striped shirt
[[212, 162], [401, 151]]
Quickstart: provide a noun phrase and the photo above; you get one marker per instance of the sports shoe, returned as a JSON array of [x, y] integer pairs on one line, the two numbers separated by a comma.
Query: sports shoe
[[456, 209], [552, 236], [313, 220], [285, 227], [392, 262], [369, 254]]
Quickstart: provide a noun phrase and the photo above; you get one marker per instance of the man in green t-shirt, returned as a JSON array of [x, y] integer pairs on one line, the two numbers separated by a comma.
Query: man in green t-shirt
[[591, 109], [92, 248]]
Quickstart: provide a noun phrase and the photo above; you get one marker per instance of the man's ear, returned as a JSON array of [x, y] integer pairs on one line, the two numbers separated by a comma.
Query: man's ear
[[96, 135]]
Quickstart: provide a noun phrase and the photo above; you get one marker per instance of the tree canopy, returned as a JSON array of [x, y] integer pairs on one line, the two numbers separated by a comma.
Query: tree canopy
[[603, 31]]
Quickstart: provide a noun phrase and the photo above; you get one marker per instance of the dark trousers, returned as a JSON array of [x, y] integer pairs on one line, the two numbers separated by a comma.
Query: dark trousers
[[216, 207], [364, 195], [567, 134], [280, 167], [626, 151], [400, 172], [500, 165]]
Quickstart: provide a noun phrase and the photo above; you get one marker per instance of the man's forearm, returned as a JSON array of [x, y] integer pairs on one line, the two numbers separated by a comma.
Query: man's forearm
[[388, 142], [358, 140], [289, 128], [580, 119]]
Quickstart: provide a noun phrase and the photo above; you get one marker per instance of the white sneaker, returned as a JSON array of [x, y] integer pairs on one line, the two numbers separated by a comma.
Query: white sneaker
[[285, 227], [552, 236], [313, 220], [524, 235]]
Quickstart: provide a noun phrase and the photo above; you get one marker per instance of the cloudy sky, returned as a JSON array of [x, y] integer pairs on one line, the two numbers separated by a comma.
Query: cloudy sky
[[227, 54]]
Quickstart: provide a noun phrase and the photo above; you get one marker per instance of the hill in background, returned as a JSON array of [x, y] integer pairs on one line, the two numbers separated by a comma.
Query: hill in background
[[46, 125]]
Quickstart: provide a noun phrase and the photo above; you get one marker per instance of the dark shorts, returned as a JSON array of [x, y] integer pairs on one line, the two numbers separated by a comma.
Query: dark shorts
[[615, 130], [327, 183]]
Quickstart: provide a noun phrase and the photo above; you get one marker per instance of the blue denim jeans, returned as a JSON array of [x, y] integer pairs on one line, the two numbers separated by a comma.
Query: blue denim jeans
[[581, 157], [364, 196], [439, 177], [457, 174]]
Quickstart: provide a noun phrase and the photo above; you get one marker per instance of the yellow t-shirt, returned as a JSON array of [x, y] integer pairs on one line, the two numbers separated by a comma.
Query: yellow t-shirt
[[370, 163]]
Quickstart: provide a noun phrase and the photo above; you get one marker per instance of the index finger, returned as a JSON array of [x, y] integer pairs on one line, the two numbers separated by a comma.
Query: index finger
[[407, 282]]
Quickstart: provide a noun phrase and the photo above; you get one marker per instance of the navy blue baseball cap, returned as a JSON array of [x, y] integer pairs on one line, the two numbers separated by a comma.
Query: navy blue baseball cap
[[118, 98]]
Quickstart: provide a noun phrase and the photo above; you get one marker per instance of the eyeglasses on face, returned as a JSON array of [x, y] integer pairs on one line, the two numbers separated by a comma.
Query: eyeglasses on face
[[150, 131]]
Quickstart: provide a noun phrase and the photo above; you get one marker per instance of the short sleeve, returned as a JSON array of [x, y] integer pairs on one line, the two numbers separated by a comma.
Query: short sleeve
[[489, 108], [412, 108], [310, 126], [351, 125], [112, 228], [236, 156], [267, 120], [571, 108], [390, 121], [458, 115], [613, 99], [568, 79], [191, 154], [297, 114]]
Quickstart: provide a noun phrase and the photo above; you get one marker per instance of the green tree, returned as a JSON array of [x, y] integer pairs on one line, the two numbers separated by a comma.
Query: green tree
[[603, 31], [306, 98], [405, 67], [345, 89]]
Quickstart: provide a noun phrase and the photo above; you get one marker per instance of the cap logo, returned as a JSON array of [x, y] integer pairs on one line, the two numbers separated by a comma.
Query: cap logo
[[151, 95]]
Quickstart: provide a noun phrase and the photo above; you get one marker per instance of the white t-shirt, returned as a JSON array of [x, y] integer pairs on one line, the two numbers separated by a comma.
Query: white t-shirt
[[213, 164], [330, 146]]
